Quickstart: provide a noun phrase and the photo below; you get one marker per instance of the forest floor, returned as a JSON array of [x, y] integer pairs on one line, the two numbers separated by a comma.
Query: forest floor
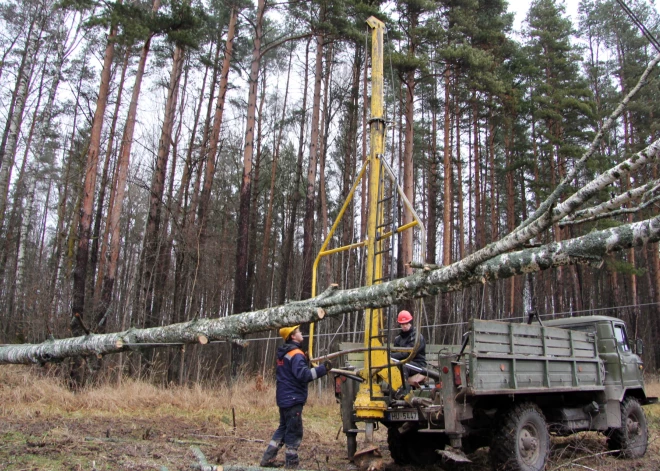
[[136, 426]]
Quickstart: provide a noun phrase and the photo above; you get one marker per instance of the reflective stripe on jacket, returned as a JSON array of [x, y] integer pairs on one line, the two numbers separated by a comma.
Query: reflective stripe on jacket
[[293, 374]]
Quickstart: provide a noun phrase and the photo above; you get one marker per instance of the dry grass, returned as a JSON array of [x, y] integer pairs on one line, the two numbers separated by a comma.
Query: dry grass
[[26, 394], [45, 426]]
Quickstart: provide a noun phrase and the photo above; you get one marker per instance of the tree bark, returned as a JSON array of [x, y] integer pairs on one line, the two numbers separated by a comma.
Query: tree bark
[[87, 203], [308, 222], [152, 240], [122, 175], [287, 246], [333, 302], [261, 289], [447, 195], [240, 278]]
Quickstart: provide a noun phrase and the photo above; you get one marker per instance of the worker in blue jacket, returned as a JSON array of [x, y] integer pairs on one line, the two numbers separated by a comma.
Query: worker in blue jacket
[[292, 374]]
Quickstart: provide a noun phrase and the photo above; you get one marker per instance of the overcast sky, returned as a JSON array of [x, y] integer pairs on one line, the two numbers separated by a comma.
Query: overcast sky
[[520, 7]]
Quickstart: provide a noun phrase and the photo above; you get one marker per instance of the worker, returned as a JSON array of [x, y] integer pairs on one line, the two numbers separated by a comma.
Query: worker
[[407, 339], [292, 374]]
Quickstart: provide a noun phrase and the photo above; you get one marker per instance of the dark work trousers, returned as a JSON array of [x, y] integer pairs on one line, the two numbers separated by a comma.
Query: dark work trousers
[[290, 431]]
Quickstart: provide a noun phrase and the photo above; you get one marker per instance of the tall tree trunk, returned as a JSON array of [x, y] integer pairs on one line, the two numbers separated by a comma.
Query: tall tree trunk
[[122, 175], [254, 205], [217, 122], [287, 246], [86, 208], [323, 149], [408, 170], [113, 184], [15, 119], [308, 222], [478, 219], [261, 288], [447, 200], [152, 241], [242, 243], [240, 278], [432, 224]]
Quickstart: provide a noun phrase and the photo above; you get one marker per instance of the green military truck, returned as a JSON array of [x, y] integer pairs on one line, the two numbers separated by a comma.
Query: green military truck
[[510, 386]]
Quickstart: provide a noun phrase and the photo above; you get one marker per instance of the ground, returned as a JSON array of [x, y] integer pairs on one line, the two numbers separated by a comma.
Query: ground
[[135, 426]]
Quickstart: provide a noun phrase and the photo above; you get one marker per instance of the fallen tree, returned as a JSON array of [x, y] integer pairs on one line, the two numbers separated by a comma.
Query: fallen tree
[[590, 248], [501, 259]]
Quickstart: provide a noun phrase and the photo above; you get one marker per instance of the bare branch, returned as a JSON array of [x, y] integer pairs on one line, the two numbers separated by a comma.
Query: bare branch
[[590, 248], [612, 214], [612, 204], [547, 205]]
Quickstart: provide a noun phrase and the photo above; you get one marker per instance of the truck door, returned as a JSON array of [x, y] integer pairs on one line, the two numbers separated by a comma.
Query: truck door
[[630, 363]]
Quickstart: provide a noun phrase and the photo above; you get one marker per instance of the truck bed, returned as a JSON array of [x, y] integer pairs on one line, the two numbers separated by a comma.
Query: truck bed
[[506, 358]]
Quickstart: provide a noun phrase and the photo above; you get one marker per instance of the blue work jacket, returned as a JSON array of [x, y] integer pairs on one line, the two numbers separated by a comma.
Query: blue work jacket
[[293, 374]]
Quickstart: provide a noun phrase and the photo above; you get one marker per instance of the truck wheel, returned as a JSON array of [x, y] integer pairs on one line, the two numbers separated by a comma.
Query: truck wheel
[[413, 447], [349, 389], [397, 443], [631, 439], [522, 441]]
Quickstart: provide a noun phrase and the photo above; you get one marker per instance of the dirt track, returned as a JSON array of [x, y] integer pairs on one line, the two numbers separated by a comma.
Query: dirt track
[[98, 443], [138, 426]]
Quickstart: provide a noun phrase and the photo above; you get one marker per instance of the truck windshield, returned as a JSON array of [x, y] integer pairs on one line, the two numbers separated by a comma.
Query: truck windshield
[[621, 339]]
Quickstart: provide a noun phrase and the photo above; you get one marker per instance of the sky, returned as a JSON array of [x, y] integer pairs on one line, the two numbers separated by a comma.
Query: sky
[[521, 7]]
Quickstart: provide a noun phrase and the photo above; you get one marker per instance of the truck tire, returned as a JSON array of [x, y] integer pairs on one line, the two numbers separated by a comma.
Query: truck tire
[[631, 439], [349, 389], [414, 448], [522, 441]]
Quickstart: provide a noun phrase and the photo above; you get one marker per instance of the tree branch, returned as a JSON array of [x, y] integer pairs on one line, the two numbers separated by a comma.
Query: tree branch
[[580, 164], [587, 249], [612, 204]]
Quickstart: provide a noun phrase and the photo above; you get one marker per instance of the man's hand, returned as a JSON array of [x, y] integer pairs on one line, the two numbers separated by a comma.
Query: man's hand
[[328, 365]]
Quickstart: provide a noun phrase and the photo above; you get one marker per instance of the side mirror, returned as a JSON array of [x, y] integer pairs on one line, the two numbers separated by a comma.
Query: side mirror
[[639, 347]]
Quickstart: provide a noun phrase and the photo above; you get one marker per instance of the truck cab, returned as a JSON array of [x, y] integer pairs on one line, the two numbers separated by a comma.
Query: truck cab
[[623, 367]]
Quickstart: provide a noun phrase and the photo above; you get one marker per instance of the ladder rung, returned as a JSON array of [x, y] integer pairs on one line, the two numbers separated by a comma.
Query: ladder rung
[[383, 278], [387, 198]]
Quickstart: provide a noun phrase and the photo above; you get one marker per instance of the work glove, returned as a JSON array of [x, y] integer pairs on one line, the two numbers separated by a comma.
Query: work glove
[[328, 365]]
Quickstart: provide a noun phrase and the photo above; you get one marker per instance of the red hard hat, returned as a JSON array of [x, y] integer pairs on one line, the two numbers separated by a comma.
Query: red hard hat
[[404, 317]]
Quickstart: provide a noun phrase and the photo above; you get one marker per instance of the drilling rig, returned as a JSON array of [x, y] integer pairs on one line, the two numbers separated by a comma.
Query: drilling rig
[[369, 402]]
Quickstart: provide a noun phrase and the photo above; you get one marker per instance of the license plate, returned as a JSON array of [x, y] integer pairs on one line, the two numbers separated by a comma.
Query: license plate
[[403, 415]]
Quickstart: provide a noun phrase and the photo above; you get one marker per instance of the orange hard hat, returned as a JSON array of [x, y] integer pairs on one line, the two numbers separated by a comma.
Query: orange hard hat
[[285, 332], [404, 317]]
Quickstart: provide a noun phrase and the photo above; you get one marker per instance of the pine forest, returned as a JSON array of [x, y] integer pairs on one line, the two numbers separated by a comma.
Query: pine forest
[[163, 161]]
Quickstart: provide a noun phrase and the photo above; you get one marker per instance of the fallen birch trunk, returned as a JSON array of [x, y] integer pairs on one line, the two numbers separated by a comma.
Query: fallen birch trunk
[[590, 248]]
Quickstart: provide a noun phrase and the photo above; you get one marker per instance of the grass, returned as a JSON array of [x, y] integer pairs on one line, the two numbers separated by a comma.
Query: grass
[[26, 394], [135, 425]]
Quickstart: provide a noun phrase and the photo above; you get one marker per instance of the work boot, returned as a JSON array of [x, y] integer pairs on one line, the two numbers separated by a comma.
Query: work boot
[[268, 460], [291, 460]]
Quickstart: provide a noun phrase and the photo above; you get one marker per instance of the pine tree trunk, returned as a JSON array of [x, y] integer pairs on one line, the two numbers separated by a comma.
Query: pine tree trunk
[[287, 246], [432, 224], [308, 222], [254, 205], [123, 163], [447, 199], [152, 240], [242, 242], [113, 184], [86, 208], [459, 181], [323, 143], [478, 219], [261, 288], [408, 170]]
